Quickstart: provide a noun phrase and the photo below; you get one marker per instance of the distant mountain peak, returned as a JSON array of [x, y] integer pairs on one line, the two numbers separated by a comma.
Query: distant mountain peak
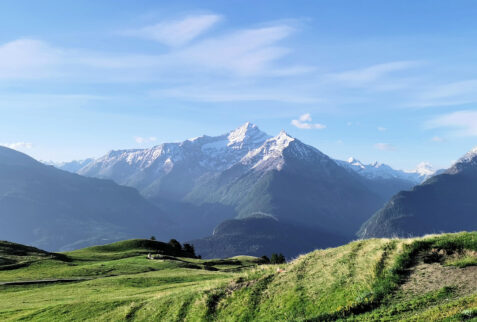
[[246, 132], [425, 169]]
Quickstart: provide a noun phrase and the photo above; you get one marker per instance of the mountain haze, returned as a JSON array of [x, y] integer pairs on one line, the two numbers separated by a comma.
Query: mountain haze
[[57, 210]]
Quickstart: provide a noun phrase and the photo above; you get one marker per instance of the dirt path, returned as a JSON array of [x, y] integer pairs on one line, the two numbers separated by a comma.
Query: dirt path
[[430, 277]]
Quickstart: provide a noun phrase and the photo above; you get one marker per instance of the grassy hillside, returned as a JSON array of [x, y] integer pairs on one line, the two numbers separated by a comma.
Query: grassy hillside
[[431, 278]]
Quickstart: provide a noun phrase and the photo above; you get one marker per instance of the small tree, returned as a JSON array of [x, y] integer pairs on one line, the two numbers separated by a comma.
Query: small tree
[[153, 238], [277, 258], [189, 248], [175, 245]]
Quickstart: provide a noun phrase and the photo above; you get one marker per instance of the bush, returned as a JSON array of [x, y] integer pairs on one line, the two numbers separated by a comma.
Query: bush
[[153, 238], [277, 259]]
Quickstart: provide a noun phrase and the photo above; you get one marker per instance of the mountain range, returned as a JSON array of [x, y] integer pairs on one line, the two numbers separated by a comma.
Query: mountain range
[[243, 192], [207, 180], [377, 170]]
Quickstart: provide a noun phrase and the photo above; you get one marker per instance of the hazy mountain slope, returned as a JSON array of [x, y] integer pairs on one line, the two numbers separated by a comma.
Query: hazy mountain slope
[[53, 209], [444, 203]]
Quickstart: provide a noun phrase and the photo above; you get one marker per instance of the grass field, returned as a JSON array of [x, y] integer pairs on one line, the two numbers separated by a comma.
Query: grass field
[[431, 278]]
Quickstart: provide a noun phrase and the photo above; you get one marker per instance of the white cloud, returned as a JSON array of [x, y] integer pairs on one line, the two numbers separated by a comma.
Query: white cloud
[[18, 145], [177, 32], [384, 147], [364, 76], [460, 123], [304, 122], [381, 128], [244, 52], [437, 139]]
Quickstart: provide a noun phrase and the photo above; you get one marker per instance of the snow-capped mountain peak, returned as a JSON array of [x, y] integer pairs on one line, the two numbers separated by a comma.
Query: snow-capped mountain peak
[[273, 153], [467, 162], [247, 133], [201, 154]]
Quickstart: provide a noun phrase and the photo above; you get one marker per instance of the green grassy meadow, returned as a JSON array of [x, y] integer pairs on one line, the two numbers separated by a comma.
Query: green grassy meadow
[[430, 278]]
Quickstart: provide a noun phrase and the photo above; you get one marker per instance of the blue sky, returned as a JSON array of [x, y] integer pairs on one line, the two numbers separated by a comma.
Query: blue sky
[[392, 81]]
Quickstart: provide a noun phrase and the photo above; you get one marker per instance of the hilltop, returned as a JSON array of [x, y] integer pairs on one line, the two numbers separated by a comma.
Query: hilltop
[[430, 278]]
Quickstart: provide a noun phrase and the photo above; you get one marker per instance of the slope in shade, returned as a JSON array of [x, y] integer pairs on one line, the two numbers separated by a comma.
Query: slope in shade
[[57, 210], [444, 203], [263, 235]]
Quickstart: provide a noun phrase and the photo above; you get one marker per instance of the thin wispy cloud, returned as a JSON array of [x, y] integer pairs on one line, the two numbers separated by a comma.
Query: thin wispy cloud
[[251, 52], [384, 147], [456, 93], [365, 76], [305, 122], [28, 59], [381, 128], [177, 32], [460, 123], [244, 52]]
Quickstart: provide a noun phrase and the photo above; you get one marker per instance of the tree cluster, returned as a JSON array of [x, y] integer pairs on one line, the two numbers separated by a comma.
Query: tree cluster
[[187, 248], [274, 259]]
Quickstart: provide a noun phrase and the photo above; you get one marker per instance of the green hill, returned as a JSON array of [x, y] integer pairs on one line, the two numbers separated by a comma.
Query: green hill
[[430, 278]]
